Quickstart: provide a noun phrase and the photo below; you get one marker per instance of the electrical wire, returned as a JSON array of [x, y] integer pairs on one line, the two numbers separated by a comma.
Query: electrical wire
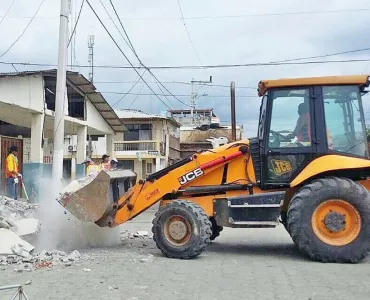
[[180, 82], [115, 25], [225, 16], [132, 66], [137, 96], [124, 95], [191, 67], [74, 28], [3, 17], [168, 95], [138, 58], [187, 32], [29, 23]]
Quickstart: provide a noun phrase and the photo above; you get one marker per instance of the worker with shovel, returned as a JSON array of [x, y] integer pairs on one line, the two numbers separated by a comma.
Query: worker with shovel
[[12, 173]]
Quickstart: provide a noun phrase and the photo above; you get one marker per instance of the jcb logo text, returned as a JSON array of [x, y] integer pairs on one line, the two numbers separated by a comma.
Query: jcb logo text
[[190, 176]]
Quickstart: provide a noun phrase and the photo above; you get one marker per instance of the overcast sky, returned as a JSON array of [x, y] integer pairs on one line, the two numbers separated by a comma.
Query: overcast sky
[[159, 37]]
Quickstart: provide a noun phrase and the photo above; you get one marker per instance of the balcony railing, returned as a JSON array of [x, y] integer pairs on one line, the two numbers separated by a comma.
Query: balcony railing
[[135, 146]]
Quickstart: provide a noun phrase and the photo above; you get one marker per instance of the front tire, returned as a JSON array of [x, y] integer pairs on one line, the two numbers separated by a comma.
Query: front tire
[[181, 229], [329, 220]]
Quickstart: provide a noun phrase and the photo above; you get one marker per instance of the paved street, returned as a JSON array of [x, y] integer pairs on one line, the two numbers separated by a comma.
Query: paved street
[[240, 264]]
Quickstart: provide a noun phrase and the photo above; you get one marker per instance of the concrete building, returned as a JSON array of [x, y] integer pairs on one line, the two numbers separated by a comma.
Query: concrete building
[[27, 104], [150, 143]]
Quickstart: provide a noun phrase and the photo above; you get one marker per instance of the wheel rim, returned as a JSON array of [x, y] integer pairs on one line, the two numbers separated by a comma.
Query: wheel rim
[[336, 222], [177, 230]]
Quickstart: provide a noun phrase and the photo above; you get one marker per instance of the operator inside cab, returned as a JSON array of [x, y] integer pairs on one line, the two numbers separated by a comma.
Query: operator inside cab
[[302, 129]]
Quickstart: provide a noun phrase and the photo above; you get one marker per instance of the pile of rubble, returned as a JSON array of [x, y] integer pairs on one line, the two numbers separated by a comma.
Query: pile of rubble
[[25, 261]]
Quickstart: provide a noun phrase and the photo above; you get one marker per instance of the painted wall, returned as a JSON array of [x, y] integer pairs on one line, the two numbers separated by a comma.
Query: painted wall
[[95, 120], [25, 91]]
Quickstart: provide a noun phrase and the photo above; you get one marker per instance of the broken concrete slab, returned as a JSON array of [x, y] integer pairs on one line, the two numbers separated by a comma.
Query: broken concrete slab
[[8, 239], [20, 251], [26, 226]]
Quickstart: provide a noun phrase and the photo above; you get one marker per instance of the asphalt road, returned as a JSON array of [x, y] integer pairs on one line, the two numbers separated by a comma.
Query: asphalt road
[[240, 264]]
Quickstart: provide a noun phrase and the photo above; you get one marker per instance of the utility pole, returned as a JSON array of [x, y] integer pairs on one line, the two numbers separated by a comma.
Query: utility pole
[[233, 118], [194, 95], [60, 96], [90, 44]]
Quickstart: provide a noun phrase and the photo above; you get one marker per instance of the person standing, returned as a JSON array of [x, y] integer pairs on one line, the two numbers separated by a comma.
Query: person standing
[[91, 168], [105, 164], [12, 173], [113, 164]]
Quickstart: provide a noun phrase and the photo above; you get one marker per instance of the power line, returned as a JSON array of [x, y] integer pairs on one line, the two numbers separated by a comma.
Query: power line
[[137, 81], [132, 66], [178, 82], [219, 17], [29, 23], [187, 32], [142, 86], [190, 67], [141, 63], [3, 17], [115, 25], [74, 28], [144, 94]]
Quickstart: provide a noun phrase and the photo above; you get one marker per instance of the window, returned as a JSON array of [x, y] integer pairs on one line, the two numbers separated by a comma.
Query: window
[[149, 168], [138, 132], [345, 127], [290, 119]]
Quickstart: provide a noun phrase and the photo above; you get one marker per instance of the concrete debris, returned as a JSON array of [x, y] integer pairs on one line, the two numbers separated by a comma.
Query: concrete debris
[[147, 259], [8, 239], [28, 282], [20, 250], [127, 235], [16, 209], [74, 256], [86, 270], [113, 287], [26, 226]]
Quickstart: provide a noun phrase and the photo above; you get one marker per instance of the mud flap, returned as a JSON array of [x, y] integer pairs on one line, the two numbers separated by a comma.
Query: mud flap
[[91, 198]]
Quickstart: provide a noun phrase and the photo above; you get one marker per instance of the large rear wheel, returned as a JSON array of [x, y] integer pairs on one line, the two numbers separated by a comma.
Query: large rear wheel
[[329, 220], [181, 229]]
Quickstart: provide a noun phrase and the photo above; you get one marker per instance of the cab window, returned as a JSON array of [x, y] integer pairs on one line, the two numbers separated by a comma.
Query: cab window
[[345, 127], [290, 119]]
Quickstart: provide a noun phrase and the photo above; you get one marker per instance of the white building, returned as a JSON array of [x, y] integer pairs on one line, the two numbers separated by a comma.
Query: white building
[[27, 104]]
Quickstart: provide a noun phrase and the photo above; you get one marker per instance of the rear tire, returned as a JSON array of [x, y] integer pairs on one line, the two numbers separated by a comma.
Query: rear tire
[[215, 229], [181, 229], [329, 220]]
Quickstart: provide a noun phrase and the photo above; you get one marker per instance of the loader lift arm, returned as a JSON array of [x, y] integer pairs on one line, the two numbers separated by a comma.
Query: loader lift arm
[[168, 181]]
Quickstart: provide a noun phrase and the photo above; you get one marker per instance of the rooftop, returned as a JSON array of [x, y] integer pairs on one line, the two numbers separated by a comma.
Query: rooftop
[[265, 85], [135, 114], [86, 87]]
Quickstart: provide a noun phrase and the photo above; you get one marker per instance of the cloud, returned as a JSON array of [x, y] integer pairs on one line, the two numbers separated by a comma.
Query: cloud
[[217, 41]]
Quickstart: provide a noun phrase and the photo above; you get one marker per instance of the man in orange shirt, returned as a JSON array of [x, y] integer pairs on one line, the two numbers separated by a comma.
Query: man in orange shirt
[[12, 173]]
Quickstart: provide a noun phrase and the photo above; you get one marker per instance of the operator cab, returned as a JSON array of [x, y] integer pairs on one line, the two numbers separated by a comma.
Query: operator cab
[[301, 119]]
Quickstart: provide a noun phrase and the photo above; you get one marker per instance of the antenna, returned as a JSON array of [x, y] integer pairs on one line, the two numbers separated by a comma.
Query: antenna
[[91, 43]]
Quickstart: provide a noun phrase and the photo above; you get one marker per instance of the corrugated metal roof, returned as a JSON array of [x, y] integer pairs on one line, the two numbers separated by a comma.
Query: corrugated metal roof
[[87, 88], [135, 114]]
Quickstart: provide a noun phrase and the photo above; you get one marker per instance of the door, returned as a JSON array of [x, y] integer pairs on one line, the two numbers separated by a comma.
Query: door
[[6, 143], [289, 139]]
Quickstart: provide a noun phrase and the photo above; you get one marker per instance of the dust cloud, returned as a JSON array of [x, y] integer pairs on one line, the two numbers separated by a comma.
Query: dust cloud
[[61, 230]]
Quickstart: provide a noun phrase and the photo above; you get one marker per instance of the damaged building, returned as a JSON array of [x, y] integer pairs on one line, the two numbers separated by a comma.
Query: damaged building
[[27, 105]]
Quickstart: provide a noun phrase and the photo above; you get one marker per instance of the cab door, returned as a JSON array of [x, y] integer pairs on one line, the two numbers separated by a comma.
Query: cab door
[[290, 135]]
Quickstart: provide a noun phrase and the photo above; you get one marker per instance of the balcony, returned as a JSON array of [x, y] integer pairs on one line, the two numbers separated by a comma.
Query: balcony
[[144, 147]]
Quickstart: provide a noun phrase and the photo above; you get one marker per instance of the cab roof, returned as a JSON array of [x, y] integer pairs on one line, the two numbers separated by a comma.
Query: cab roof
[[265, 85]]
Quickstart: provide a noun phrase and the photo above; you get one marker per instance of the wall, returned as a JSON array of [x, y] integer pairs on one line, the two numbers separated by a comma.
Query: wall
[[26, 91], [95, 120]]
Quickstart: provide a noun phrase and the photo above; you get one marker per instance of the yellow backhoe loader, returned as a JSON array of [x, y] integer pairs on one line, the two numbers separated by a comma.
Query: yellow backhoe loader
[[307, 169]]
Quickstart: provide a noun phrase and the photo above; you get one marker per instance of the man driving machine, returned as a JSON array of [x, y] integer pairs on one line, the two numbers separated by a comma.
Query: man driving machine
[[302, 129]]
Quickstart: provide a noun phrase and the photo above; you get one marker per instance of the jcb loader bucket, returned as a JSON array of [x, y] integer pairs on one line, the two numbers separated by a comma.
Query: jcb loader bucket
[[89, 199]]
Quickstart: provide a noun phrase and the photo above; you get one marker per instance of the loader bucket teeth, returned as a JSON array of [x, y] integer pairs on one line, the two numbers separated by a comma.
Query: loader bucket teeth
[[89, 199]]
